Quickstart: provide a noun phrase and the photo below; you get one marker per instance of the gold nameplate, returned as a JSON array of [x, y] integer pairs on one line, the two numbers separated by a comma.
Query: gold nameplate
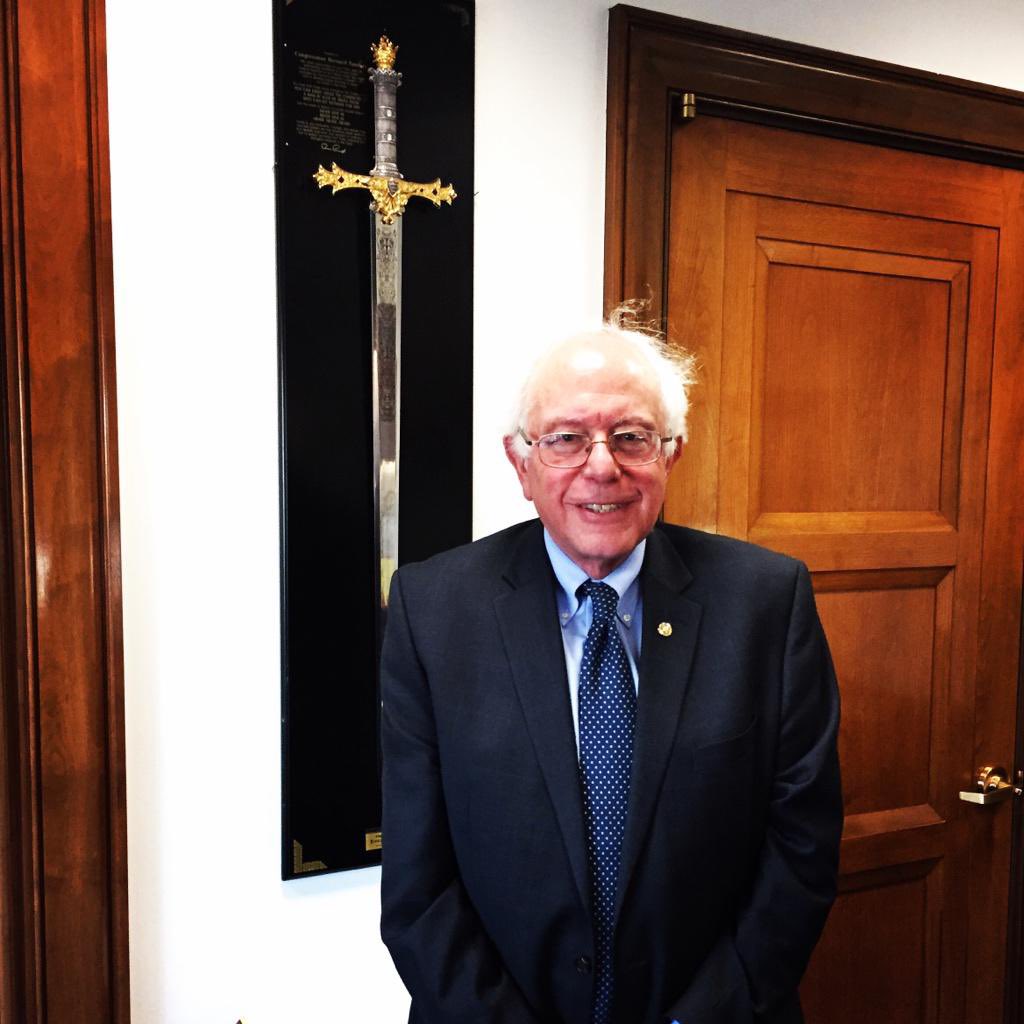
[[372, 841]]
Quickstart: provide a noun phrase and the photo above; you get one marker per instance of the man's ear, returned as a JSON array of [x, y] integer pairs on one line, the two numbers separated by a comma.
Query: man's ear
[[672, 459], [518, 464]]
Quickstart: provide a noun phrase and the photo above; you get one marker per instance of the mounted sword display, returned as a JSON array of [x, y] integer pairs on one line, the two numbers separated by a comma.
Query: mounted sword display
[[390, 194]]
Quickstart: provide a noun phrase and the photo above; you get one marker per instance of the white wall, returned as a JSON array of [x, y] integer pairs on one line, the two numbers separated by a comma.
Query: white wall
[[214, 934]]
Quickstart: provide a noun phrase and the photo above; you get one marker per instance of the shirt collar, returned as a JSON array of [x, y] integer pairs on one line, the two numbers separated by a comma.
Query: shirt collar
[[569, 575]]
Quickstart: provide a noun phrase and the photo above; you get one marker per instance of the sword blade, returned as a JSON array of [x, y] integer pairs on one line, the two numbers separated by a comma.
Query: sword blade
[[386, 312]]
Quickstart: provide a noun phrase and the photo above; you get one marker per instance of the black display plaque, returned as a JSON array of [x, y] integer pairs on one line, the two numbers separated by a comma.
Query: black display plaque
[[323, 106]]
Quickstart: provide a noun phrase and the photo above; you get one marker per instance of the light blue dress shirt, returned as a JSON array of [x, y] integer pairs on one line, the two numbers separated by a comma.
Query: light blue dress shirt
[[575, 616]]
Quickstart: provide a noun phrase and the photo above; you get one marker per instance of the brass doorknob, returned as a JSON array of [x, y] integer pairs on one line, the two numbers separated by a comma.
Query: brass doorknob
[[992, 787]]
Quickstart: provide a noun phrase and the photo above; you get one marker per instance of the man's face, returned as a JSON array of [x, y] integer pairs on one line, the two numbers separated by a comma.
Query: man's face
[[598, 512]]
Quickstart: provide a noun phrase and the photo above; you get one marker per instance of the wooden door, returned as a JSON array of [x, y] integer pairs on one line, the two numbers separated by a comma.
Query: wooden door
[[857, 313]]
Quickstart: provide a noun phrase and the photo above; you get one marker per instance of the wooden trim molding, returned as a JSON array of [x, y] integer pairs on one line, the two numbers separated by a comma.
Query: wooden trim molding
[[63, 869]]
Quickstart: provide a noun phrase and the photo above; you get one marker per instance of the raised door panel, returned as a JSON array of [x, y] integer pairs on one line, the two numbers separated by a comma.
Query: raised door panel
[[845, 382], [876, 343], [890, 643]]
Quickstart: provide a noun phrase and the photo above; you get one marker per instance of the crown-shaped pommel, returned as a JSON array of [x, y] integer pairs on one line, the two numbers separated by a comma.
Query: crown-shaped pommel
[[384, 53]]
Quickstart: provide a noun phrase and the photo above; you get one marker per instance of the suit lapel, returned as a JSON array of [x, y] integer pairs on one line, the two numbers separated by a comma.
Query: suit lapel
[[528, 619], [665, 660]]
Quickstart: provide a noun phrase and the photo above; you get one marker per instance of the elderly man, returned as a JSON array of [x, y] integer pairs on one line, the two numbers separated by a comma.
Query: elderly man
[[611, 791]]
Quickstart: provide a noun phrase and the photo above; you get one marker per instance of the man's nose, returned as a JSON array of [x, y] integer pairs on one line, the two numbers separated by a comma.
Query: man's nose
[[601, 462]]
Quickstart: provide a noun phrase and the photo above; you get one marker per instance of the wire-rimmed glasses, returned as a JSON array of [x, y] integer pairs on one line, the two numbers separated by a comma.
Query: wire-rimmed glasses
[[568, 450]]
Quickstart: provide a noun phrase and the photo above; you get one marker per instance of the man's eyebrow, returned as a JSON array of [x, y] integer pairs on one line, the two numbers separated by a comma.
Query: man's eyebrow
[[565, 421], [579, 424]]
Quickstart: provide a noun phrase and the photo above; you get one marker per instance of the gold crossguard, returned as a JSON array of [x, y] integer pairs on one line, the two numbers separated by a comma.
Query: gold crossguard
[[390, 195]]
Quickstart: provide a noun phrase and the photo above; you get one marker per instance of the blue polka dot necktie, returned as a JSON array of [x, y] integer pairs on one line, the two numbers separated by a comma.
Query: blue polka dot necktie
[[607, 716]]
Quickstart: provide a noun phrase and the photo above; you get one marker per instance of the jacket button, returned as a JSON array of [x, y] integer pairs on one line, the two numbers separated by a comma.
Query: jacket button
[[583, 964]]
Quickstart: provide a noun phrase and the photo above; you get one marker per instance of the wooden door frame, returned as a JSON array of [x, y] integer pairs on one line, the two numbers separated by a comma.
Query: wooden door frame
[[768, 81], [63, 862]]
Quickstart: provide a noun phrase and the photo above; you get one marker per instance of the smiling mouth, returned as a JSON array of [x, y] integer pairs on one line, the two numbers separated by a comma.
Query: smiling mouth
[[610, 507]]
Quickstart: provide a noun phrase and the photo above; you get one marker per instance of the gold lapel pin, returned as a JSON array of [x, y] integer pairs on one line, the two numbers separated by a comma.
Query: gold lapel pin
[[665, 628]]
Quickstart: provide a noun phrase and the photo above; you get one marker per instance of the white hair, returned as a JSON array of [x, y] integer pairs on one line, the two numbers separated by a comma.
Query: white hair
[[674, 369]]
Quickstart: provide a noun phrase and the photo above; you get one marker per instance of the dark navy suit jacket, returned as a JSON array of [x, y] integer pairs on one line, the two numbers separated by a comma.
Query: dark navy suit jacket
[[730, 854]]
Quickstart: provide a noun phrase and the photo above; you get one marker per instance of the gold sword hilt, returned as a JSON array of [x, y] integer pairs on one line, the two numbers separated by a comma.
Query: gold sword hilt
[[390, 195], [390, 191]]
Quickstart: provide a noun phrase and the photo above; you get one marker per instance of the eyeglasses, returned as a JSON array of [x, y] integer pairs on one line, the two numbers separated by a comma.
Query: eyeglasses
[[565, 450]]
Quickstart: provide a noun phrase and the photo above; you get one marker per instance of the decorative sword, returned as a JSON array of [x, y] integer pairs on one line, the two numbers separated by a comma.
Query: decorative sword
[[390, 194]]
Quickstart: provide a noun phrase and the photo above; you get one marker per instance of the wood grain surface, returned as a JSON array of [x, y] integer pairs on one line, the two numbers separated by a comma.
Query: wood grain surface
[[63, 868]]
